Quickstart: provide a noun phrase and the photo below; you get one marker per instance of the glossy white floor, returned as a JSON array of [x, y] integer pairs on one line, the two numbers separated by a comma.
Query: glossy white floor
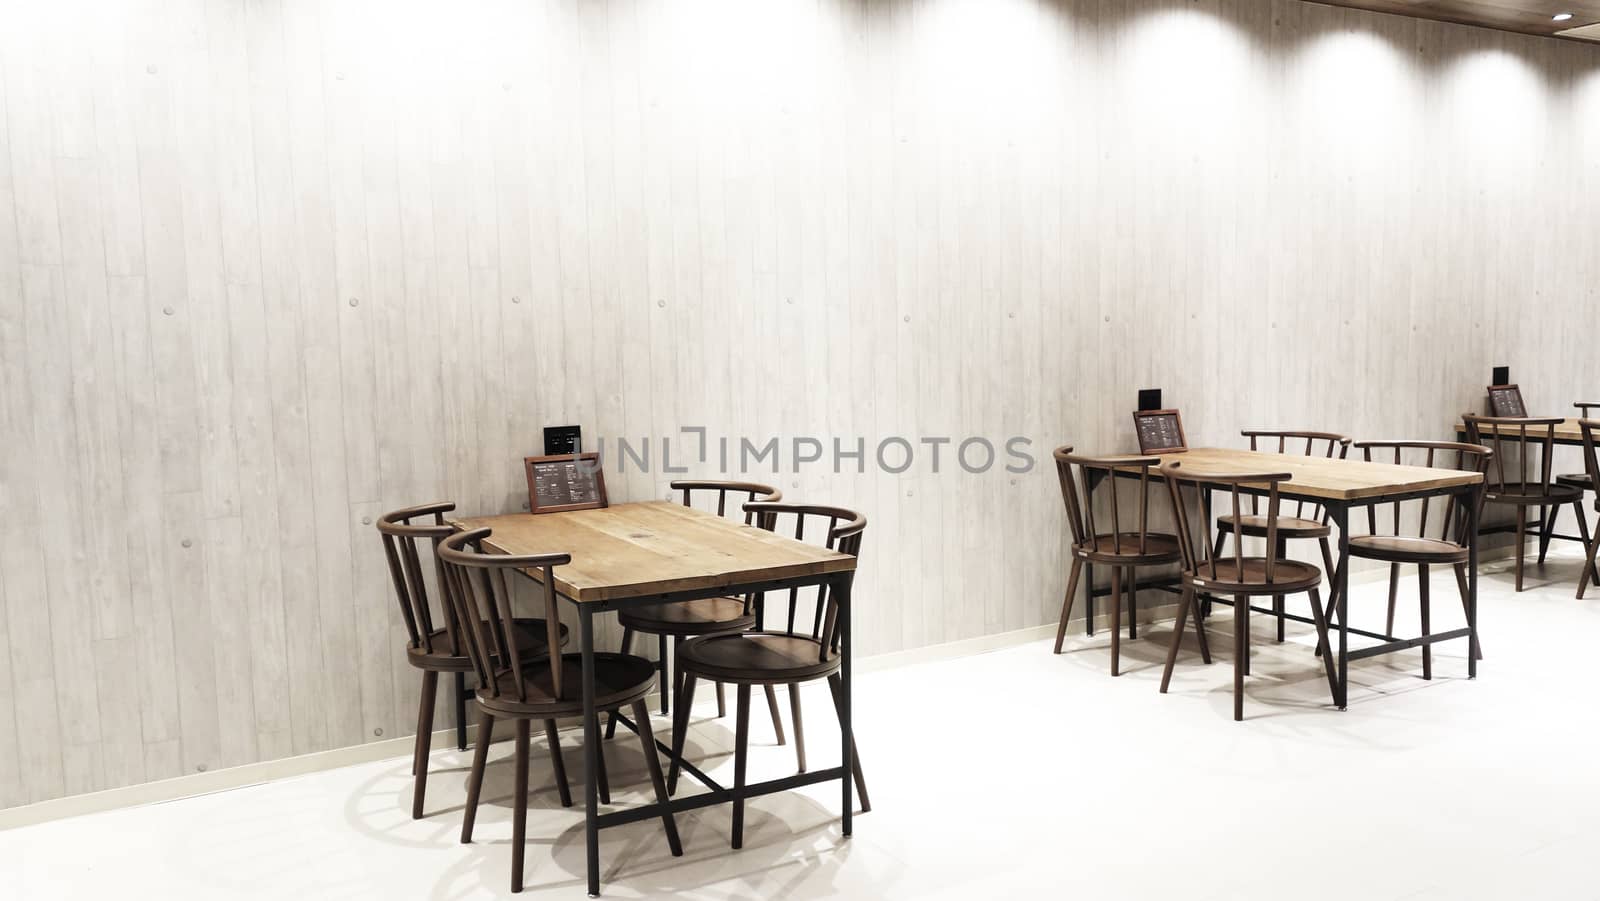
[[1010, 773]]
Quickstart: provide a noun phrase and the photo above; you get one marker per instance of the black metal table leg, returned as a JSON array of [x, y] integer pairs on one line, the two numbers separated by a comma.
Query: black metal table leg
[[591, 748], [847, 733], [1088, 598], [1341, 520]]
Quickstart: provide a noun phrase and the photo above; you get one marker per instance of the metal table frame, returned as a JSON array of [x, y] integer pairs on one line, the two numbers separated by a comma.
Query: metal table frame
[[838, 585], [1338, 511]]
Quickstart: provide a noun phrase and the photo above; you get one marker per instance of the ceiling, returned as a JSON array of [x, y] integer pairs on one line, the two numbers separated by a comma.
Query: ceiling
[[1526, 16]]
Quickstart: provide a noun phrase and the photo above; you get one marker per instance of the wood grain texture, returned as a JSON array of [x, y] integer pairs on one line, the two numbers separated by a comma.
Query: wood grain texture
[[641, 549], [271, 267], [1319, 478]]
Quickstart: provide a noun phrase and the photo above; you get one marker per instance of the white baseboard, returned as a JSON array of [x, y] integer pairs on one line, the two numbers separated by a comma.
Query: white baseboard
[[268, 770]]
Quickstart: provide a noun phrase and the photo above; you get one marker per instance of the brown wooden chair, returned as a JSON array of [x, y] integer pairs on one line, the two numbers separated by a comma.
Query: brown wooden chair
[[435, 650], [1525, 438], [523, 688], [1591, 460], [1122, 549], [686, 619], [1581, 480], [1241, 577], [791, 656], [1448, 549], [1307, 520]]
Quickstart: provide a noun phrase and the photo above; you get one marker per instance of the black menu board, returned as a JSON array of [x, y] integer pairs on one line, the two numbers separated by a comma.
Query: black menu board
[[565, 482], [1160, 432], [1506, 400]]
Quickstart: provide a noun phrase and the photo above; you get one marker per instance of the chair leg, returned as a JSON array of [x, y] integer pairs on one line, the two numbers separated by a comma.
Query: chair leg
[[1394, 592], [461, 711], [557, 764], [519, 810], [626, 647], [799, 729], [1282, 552], [1241, 655], [480, 759], [1422, 598], [1184, 600], [772, 707], [1547, 529], [647, 738], [1589, 566], [1522, 541], [1241, 612], [1327, 567], [855, 753], [1066, 602], [1115, 604], [1323, 646], [1199, 629], [1133, 603], [1461, 586], [666, 672], [680, 728], [741, 753], [419, 760], [1088, 599], [602, 781]]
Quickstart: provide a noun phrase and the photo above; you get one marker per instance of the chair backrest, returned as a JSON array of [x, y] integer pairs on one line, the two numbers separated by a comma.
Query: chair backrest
[[1585, 406], [1309, 444], [1527, 437], [402, 540], [753, 491], [1196, 547], [1591, 460], [1077, 492], [478, 587], [1467, 458], [842, 532]]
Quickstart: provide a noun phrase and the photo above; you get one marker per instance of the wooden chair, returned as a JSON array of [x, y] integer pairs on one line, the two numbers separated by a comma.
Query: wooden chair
[[686, 619], [1204, 572], [522, 688], [1307, 520], [1448, 549], [1527, 437], [1124, 550], [765, 657], [435, 650], [1591, 460]]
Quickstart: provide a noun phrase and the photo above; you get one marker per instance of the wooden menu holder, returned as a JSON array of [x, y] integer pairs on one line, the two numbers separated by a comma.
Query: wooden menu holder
[[561, 482], [1506, 400], [1160, 432]]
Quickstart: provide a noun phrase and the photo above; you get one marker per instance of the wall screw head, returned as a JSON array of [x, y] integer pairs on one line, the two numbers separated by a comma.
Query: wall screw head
[[355, 302], [168, 311], [188, 543]]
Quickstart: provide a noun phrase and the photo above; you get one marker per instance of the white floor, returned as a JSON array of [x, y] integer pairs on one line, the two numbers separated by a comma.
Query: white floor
[[1010, 773]]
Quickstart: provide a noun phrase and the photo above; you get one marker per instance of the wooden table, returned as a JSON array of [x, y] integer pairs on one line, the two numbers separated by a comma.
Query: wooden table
[[655, 552], [1339, 486], [1567, 433]]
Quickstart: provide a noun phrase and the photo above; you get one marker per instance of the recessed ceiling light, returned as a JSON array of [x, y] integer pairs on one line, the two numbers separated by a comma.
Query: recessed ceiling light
[[1560, 17]]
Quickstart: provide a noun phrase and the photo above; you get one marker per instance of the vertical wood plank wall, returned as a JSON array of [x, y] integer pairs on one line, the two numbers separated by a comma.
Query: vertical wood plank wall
[[269, 268]]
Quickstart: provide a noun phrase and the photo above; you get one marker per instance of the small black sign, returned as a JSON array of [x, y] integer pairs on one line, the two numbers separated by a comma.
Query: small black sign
[[1149, 398], [1159, 431], [563, 439], [1502, 375]]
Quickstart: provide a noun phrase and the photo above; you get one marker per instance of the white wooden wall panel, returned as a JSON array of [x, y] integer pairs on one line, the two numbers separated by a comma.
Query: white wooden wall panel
[[269, 268]]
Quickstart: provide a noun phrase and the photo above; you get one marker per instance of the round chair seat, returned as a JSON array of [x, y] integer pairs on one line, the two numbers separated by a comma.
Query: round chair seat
[[756, 658], [1404, 549], [1288, 526], [1288, 577], [619, 679], [1520, 494], [702, 617], [530, 640], [1124, 550], [1579, 480]]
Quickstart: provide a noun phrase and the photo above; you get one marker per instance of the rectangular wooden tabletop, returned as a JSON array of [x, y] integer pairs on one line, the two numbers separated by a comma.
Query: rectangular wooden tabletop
[[654, 547], [1567, 430], [1325, 478]]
